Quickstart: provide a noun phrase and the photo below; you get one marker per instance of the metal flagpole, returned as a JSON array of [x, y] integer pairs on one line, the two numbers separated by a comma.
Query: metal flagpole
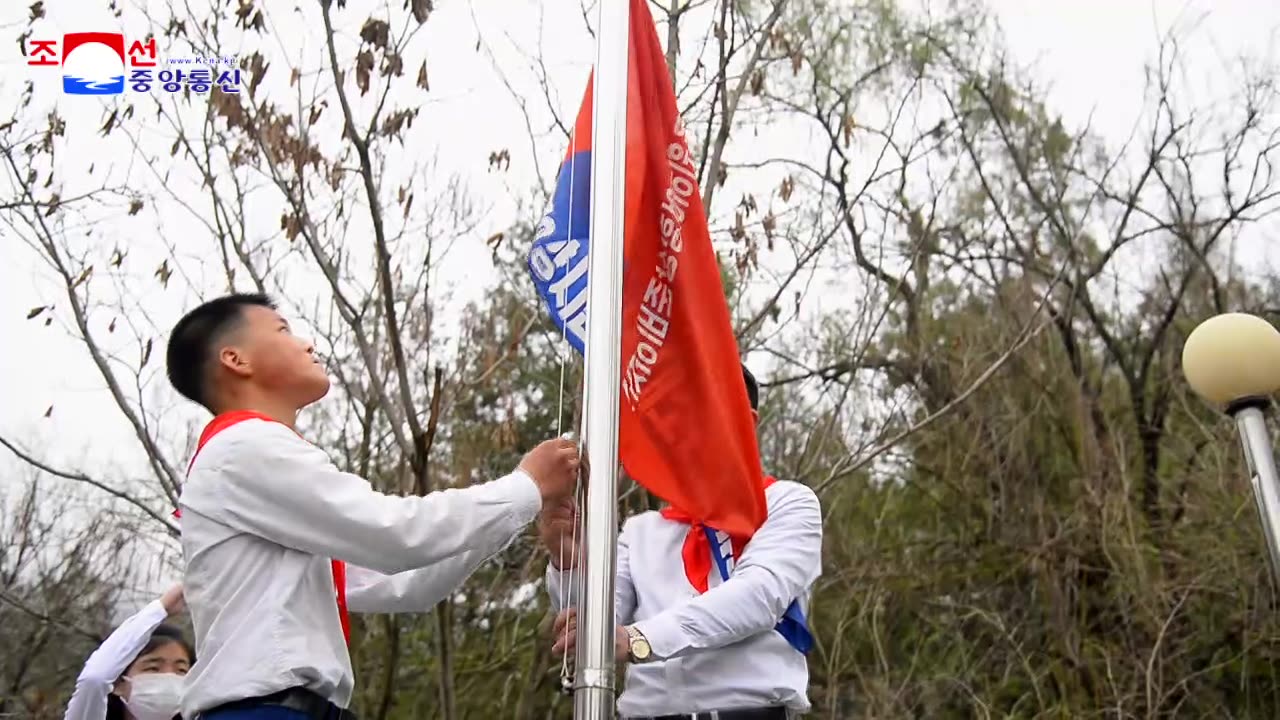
[[1261, 462], [594, 685]]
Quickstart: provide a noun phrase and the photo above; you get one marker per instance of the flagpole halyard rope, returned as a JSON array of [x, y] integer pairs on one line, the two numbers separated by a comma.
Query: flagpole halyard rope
[[565, 590]]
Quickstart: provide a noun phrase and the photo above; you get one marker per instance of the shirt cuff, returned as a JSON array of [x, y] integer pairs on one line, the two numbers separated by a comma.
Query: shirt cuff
[[526, 498], [666, 637], [154, 611]]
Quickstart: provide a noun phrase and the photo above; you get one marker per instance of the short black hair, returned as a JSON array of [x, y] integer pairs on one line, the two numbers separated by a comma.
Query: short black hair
[[161, 636], [164, 634], [753, 388], [193, 340]]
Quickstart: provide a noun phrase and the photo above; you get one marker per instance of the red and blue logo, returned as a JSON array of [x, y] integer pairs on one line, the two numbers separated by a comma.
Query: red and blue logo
[[93, 63]]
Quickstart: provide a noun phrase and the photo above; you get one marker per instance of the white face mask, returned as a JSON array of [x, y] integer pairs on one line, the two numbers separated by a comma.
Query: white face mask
[[154, 696]]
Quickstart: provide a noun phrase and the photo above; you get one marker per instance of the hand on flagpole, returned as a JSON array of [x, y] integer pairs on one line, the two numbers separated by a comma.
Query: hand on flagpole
[[553, 465], [556, 523], [565, 632]]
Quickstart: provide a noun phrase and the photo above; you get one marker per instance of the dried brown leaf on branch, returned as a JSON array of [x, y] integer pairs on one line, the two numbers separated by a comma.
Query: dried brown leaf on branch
[[421, 9], [396, 122], [291, 226], [376, 32], [422, 77], [257, 68], [392, 64], [364, 66], [228, 107], [249, 18], [500, 159], [163, 272], [83, 277]]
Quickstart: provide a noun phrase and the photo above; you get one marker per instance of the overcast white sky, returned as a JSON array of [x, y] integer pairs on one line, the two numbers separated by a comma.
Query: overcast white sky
[[1089, 52]]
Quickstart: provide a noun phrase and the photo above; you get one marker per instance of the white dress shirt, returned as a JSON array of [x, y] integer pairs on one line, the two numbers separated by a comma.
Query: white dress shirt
[[264, 511], [113, 656], [718, 650]]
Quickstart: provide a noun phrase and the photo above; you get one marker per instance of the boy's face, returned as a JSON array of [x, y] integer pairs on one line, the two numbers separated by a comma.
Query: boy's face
[[264, 350]]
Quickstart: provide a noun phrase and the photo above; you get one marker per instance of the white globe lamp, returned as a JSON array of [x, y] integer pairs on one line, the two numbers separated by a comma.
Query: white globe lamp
[[1233, 362]]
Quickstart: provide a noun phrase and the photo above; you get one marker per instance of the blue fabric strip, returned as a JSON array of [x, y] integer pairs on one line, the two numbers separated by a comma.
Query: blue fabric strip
[[793, 626]]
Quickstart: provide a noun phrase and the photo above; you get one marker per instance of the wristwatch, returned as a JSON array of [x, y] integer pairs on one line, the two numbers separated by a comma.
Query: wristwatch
[[639, 650]]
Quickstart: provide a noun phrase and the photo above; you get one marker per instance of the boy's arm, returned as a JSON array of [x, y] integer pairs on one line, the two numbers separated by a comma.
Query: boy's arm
[[779, 564], [369, 591], [561, 585], [267, 481]]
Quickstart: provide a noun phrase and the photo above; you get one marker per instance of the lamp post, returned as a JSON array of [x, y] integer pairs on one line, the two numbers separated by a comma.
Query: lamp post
[[1233, 362]]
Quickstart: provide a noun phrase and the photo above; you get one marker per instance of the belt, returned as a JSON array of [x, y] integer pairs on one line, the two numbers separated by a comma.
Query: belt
[[777, 712], [296, 698]]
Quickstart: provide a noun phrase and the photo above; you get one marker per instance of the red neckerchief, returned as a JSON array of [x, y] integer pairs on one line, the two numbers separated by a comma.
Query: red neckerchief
[[697, 549], [226, 420]]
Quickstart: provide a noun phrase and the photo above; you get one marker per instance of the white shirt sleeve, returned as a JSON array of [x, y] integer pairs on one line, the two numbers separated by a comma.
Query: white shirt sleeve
[[780, 562], [561, 585], [267, 481], [113, 656], [369, 591]]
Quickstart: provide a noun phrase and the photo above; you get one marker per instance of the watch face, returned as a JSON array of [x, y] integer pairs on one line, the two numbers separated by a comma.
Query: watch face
[[640, 648]]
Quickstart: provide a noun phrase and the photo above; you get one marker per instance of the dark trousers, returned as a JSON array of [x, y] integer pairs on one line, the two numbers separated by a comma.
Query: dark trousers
[[259, 712], [292, 704]]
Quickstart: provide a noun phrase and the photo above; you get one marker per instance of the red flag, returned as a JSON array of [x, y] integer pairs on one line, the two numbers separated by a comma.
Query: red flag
[[686, 429]]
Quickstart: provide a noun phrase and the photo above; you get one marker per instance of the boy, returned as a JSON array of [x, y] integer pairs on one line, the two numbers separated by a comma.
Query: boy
[[264, 512], [700, 645]]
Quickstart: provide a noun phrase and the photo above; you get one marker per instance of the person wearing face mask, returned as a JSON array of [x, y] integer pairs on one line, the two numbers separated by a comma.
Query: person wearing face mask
[[137, 673]]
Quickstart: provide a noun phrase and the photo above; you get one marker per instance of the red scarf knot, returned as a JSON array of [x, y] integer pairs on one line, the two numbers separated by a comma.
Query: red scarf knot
[[696, 551]]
